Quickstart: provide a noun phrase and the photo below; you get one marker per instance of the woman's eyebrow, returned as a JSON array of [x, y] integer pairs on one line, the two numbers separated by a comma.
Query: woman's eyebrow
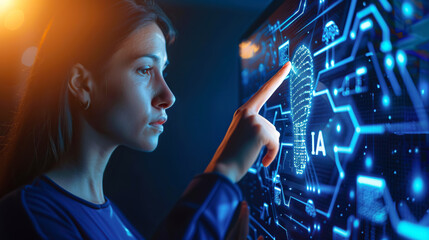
[[155, 58]]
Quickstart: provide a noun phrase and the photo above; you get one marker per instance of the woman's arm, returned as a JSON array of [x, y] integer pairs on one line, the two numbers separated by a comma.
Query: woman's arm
[[209, 205]]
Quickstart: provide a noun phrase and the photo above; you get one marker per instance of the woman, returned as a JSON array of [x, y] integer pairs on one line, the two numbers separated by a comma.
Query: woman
[[97, 83]]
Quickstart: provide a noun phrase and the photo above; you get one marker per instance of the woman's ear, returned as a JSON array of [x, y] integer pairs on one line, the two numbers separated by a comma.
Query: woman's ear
[[80, 84]]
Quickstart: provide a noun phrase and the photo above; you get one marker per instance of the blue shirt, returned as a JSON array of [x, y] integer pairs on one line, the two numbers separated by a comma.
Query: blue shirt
[[44, 210]]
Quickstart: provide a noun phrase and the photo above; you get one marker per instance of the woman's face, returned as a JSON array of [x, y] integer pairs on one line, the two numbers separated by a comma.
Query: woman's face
[[129, 104]]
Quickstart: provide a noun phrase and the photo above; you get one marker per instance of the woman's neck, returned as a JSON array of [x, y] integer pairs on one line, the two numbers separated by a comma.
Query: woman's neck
[[82, 167]]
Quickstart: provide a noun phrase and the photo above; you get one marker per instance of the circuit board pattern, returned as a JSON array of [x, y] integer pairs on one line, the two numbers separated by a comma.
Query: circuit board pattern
[[353, 160]]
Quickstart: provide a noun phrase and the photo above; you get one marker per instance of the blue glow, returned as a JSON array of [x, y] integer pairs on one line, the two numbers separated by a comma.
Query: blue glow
[[401, 58], [335, 91], [338, 127], [412, 230], [252, 170], [352, 194], [388, 62], [356, 223], [386, 100], [352, 35], [418, 185], [361, 71], [366, 24], [368, 162], [332, 63], [371, 181], [407, 9]]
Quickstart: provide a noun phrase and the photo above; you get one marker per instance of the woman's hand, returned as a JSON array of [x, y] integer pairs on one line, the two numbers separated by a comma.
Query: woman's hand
[[248, 133]]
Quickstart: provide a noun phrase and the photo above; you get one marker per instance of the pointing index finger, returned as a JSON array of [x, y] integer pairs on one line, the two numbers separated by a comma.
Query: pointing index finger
[[264, 93]]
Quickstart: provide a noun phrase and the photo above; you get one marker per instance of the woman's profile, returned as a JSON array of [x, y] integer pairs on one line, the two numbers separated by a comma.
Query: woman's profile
[[97, 83]]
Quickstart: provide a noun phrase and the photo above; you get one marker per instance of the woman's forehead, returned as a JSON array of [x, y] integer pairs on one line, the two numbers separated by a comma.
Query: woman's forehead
[[146, 40]]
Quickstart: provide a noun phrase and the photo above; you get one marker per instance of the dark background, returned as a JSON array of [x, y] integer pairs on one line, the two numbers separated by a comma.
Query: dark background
[[203, 74]]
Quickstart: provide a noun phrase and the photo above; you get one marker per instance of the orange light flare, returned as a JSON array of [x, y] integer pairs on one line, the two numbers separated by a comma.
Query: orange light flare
[[248, 49]]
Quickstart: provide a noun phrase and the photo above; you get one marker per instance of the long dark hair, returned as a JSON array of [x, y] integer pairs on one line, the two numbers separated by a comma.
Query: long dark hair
[[80, 31]]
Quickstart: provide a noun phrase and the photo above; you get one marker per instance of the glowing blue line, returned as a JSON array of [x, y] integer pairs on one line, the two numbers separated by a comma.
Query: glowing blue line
[[414, 95], [371, 181], [380, 76], [284, 22], [252, 170], [303, 10], [365, 25], [281, 109], [254, 220], [341, 232], [372, 129], [345, 33], [323, 13], [412, 230], [385, 44], [386, 5]]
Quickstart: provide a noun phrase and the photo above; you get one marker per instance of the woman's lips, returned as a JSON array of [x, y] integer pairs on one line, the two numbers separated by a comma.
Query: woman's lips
[[158, 124]]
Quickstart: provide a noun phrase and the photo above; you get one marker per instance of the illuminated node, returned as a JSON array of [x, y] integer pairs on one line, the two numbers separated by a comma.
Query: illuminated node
[[335, 91], [28, 56], [361, 71], [422, 91], [332, 63], [385, 46], [416, 150], [352, 194], [366, 24], [358, 129], [327, 65], [318, 227], [418, 185], [335, 149], [401, 58], [341, 174], [388, 62], [356, 223], [368, 162], [407, 9], [301, 85], [329, 32], [318, 191], [14, 19], [338, 127], [352, 35], [386, 100], [390, 117]]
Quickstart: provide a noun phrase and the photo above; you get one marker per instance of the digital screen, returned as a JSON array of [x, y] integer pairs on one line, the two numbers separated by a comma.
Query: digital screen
[[353, 161]]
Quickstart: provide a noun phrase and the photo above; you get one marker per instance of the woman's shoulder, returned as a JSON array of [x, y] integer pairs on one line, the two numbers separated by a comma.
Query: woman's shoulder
[[28, 209], [15, 222]]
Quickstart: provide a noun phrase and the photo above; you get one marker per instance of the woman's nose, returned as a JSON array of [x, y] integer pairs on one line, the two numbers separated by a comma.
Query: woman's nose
[[165, 97]]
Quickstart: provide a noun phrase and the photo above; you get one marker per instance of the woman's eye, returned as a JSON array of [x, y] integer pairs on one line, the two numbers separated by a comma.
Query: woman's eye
[[144, 71]]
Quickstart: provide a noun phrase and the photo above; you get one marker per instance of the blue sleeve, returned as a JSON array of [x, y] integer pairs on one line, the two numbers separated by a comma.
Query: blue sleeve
[[204, 211]]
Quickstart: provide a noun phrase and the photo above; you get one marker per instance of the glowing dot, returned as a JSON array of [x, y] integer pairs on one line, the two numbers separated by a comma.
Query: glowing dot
[[352, 194], [318, 191], [335, 92], [401, 57], [28, 56], [390, 117], [318, 227], [332, 63], [386, 100], [14, 19], [341, 174], [418, 185], [407, 9], [368, 162], [358, 129], [327, 65], [308, 229], [365, 25], [416, 150], [335, 149], [388, 62], [356, 223], [423, 91], [385, 46], [338, 127], [352, 35]]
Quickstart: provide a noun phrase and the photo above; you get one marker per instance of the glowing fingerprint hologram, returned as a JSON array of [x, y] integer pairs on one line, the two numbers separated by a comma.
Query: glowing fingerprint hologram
[[301, 87]]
